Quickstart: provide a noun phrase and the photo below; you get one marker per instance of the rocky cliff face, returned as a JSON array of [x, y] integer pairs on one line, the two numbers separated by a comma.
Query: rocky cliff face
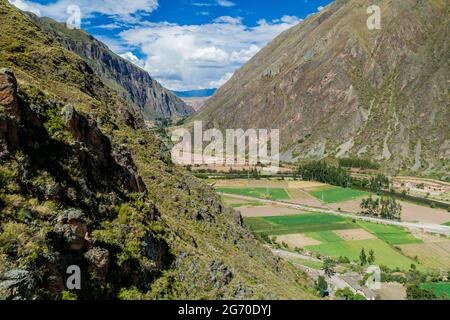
[[83, 183], [133, 83], [335, 88]]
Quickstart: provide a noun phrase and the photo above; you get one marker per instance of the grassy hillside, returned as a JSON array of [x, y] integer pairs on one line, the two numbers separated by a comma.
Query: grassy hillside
[[82, 182]]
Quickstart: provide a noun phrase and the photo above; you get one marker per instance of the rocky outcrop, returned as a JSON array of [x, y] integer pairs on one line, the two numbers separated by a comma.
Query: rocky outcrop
[[156, 250], [72, 232], [9, 110], [89, 136], [17, 283], [133, 83], [98, 260]]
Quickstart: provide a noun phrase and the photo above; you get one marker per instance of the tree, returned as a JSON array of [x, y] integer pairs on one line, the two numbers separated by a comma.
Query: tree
[[345, 293], [385, 208], [379, 183], [328, 267], [348, 294], [371, 258], [363, 257], [322, 172], [322, 285], [415, 292]]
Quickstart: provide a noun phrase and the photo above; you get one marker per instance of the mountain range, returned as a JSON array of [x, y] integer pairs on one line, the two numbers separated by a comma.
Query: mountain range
[[337, 88], [132, 83]]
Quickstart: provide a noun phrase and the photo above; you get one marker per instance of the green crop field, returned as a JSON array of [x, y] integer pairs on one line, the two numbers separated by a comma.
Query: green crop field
[[336, 194], [324, 236], [441, 289], [384, 254], [262, 193], [321, 227], [304, 223], [391, 234]]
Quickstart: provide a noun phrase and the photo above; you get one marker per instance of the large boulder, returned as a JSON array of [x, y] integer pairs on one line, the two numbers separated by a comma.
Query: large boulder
[[98, 262], [72, 231]]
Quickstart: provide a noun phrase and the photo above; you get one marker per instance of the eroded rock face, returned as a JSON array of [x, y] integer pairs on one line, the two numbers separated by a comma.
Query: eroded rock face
[[72, 231], [220, 274], [9, 111], [107, 161], [86, 131], [156, 250], [8, 91]]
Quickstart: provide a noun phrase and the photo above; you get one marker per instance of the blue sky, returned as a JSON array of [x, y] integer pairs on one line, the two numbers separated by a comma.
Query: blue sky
[[184, 44]]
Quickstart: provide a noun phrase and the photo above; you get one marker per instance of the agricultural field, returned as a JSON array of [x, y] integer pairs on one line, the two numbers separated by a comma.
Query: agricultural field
[[329, 194], [384, 254], [336, 236], [303, 223], [262, 193], [441, 289], [390, 234], [239, 203]]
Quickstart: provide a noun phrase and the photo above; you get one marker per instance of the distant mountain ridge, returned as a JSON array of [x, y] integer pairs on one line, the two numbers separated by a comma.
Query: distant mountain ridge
[[202, 93], [336, 89], [133, 83]]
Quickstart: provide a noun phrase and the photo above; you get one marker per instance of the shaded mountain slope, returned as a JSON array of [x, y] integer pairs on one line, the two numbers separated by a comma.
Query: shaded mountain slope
[[82, 182], [335, 88], [131, 82]]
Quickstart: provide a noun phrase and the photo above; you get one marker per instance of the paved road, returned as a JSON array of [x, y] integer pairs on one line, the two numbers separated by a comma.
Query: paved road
[[433, 228]]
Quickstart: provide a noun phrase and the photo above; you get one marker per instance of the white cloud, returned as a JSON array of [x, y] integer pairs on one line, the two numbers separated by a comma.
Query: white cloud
[[221, 81], [225, 3], [184, 57], [58, 9], [181, 57], [132, 58], [25, 6]]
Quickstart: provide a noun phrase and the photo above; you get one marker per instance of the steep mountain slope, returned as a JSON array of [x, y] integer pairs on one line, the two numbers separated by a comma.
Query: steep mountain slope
[[133, 83], [82, 182], [335, 88]]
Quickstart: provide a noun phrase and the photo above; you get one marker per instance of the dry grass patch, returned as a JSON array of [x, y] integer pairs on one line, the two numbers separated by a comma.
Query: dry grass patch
[[355, 234], [434, 255], [297, 240], [299, 196]]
